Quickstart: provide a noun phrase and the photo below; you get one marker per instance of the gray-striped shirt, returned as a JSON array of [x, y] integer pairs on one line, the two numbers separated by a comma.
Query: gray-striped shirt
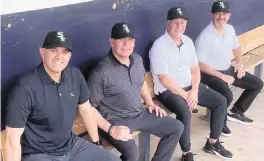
[[116, 89]]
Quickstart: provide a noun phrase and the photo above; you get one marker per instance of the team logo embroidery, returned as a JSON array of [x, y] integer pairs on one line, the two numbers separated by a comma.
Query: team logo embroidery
[[61, 36], [72, 94], [125, 27], [221, 4], [179, 11]]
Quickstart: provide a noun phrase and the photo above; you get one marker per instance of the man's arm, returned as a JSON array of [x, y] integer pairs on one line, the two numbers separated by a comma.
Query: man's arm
[[96, 82], [239, 63], [237, 50], [205, 68], [12, 146], [159, 67], [149, 102], [93, 119], [18, 110], [203, 50], [238, 56], [89, 121], [210, 71], [192, 99], [196, 77], [172, 86], [146, 95]]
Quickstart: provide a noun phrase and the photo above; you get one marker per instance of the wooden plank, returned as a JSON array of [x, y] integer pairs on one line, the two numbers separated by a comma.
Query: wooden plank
[[258, 51], [149, 80], [78, 126], [252, 39], [251, 61], [242, 42]]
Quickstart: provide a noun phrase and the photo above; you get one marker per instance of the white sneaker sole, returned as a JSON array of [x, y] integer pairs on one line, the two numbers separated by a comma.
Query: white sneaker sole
[[216, 153], [238, 121], [226, 135]]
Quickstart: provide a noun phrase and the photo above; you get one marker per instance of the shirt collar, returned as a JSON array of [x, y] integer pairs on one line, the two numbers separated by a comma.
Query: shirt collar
[[116, 62], [47, 79], [212, 28], [168, 37]]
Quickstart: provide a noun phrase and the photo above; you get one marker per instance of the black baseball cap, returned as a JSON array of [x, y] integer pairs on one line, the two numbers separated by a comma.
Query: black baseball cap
[[221, 6], [57, 39], [177, 12], [122, 30]]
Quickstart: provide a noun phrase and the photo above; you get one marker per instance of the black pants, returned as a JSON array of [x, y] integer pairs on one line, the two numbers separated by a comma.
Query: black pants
[[206, 98], [167, 128], [81, 150], [249, 82]]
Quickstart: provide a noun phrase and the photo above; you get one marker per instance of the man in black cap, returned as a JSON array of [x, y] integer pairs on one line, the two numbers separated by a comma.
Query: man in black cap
[[215, 46], [117, 85], [42, 108], [176, 77]]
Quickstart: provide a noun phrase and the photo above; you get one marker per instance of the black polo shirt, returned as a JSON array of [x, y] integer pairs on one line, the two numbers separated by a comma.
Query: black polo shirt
[[46, 110], [116, 89]]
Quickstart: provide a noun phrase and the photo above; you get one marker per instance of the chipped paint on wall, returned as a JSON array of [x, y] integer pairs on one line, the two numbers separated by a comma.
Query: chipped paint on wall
[[9, 25], [114, 6], [129, 5]]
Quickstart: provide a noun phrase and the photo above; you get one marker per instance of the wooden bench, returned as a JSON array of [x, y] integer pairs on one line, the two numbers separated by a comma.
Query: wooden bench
[[252, 59], [252, 49], [252, 46]]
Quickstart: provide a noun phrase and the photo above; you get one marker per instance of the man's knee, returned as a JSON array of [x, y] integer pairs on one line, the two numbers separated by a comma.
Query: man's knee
[[106, 155], [179, 127], [228, 96], [130, 154], [176, 127], [112, 157], [221, 103], [39, 157], [184, 116]]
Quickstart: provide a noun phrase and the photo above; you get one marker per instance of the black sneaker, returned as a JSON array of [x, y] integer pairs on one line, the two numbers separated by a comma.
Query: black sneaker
[[217, 149], [226, 131], [239, 118], [188, 157]]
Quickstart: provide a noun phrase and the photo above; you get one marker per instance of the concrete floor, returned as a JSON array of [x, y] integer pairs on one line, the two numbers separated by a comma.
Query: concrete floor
[[246, 142]]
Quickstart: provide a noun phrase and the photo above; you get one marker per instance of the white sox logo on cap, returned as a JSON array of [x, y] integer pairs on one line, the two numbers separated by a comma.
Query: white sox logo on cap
[[61, 36], [221, 4], [179, 11], [125, 27]]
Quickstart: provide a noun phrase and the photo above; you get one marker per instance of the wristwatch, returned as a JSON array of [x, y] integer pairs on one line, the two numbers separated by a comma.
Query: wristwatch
[[99, 143]]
